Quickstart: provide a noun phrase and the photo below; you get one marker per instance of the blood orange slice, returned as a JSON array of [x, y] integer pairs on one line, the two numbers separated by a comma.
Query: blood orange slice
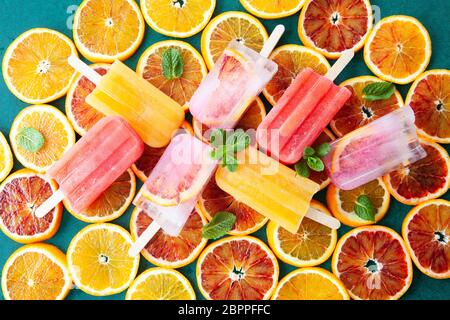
[[21, 194], [373, 263], [237, 268], [423, 180], [427, 236], [167, 251]]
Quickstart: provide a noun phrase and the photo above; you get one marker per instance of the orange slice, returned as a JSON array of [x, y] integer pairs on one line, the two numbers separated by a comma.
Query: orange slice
[[429, 97], [167, 251], [373, 263], [427, 236], [22, 193], [237, 268], [423, 180], [272, 9], [332, 27], [6, 158], [398, 49]]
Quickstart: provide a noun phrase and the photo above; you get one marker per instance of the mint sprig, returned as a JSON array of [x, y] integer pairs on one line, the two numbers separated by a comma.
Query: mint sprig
[[312, 160], [364, 208], [227, 144], [378, 91], [172, 64], [220, 224], [30, 139]]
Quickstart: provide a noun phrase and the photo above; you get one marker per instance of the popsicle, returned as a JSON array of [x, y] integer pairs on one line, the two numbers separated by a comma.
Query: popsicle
[[303, 112], [238, 76], [272, 189], [108, 149], [374, 150], [121, 92], [173, 187]]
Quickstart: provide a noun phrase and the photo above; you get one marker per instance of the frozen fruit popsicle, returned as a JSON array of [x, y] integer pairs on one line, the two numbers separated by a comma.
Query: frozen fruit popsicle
[[173, 187], [238, 76], [374, 150], [109, 148], [273, 190], [303, 112], [121, 92]]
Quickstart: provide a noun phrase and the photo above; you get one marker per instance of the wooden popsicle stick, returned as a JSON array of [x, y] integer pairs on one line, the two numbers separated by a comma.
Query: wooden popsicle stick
[[143, 239], [323, 218], [340, 64], [271, 43], [49, 204], [84, 69]]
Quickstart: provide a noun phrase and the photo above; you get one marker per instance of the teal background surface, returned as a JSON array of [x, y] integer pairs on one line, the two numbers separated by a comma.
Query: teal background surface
[[20, 15]]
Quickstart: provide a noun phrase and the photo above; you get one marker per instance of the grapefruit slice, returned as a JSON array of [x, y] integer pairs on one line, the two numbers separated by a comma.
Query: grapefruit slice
[[167, 251], [373, 263], [427, 236], [423, 180], [237, 268], [429, 97], [21, 194]]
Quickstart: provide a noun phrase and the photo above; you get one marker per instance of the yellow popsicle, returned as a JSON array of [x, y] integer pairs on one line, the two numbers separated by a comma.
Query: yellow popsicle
[[271, 188]]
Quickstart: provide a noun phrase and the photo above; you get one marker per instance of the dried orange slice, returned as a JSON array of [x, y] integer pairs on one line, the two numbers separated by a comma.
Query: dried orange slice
[[357, 111], [167, 251], [6, 158], [237, 268], [342, 202], [36, 272], [35, 66], [332, 27], [310, 284], [373, 263], [22, 193], [423, 180], [105, 31], [291, 60], [429, 97], [398, 49], [427, 236], [179, 89], [81, 115], [272, 9]]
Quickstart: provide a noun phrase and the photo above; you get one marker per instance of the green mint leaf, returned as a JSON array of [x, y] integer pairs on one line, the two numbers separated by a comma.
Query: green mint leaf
[[315, 163], [308, 152], [218, 137], [172, 64], [30, 139], [220, 224], [323, 149], [364, 208], [302, 169], [378, 91], [227, 144]]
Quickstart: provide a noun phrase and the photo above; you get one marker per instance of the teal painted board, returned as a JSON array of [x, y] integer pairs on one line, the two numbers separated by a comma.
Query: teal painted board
[[21, 15]]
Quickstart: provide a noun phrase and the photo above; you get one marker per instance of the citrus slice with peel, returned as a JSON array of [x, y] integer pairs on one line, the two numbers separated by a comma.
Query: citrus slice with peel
[[312, 245], [81, 115], [322, 178], [214, 200], [373, 263], [105, 31], [230, 26], [272, 9], [427, 236], [50, 127], [310, 284], [237, 268], [180, 89], [429, 97], [398, 49], [291, 60], [160, 284], [35, 66], [423, 180], [36, 272], [112, 203], [332, 27], [6, 158], [167, 251], [21, 194], [358, 111], [99, 261], [342, 202], [178, 18]]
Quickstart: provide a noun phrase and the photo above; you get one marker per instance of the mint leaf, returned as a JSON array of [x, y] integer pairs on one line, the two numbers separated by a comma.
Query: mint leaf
[[30, 139], [378, 91], [220, 224], [227, 144], [315, 163], [308, 152], [323, 149], [172, 64], [364, 208], [218, 138], [302, 169]]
